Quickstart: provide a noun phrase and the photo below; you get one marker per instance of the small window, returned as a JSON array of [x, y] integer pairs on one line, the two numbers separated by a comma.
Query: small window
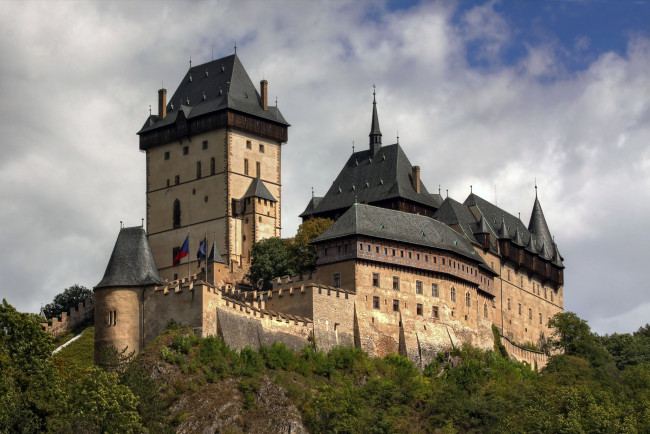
[[551, 295], [418, 309], [452, 294], [174, 253], [468, 300], [198, 170], [395, 283], [245, 166], [261, 148], [519, 308], [259, 219], [530, 313], [166, 155], [485, 310], [205, 144], [540, 318], [361, 247], [508, 275], [369, 248], [409, 255], [393, 252], [417, 256], [443, 261], [508, 304], [375, 302], [175, 276], [385, 251], [168, 183], [395, 305], [177, 179], [212, 166], [258, 169], [426, 258], [249, 145], [435, 312], [401, 253], [418, 287], [377, 249], [375, 280], [176, 214], [434, 290], [336, 278], [186, 150]]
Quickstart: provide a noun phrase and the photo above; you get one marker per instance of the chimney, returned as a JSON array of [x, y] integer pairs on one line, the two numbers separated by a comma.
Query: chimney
[[264, 91], [162, 103], [415, 178]]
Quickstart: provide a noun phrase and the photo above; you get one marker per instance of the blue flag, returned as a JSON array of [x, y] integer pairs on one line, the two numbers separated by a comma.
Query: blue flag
[[200, 254]]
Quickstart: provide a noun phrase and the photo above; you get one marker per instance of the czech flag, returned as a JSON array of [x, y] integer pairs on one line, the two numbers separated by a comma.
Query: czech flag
[[183, 252], [200, 254]]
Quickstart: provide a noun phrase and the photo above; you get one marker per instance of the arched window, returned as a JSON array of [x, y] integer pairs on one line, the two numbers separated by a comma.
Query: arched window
[[453, 294], [177, 214], [468, 300]]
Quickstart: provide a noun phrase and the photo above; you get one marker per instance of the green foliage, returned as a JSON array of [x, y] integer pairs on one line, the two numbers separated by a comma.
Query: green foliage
[[498, 346], [249, 387], [277, 356], [269, 259], [69, 298], [183, 344], [573, 337], [302, 255], [628, 349]]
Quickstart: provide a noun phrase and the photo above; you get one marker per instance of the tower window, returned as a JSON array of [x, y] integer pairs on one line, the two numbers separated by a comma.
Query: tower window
[[419, 309], [435, 312], [395, 283], [336, 277], [166, 155], [212, 166], [418, 287], [375, 302], [434, 289], [258, 169], [468, 300], [198, 170], [205, 144], [375, 280], [168, 183], [530, 313], [485, 310], [261, 148], [395, 305], [540, 318], [245, 166], [519, 308], [508, 304], [452, 294], [186, 150], [177, 214], [249, 145]]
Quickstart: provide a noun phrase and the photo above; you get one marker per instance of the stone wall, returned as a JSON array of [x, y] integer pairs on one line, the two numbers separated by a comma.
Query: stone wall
[[68, 320], [533, 358]]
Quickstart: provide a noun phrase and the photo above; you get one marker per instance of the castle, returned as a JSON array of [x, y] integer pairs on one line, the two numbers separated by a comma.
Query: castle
[[400, 269]]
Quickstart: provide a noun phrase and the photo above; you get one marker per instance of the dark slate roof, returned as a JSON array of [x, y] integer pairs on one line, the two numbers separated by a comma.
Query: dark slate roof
[[539, 227], [215, 255], [258, 189], [226, 86], [366, 180], [131, 262], [399, 226], [374, 124], [452, 213], [311, 206]]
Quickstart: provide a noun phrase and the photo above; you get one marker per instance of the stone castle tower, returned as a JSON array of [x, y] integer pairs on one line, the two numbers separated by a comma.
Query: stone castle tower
[[213, 155]]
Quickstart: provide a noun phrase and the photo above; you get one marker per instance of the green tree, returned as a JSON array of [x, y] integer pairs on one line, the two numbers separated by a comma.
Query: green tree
[[572, 335], [302, 255], [269, 259], [69, 298]]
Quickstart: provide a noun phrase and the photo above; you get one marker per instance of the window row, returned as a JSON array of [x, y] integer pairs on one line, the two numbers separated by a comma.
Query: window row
[[530, 311], [258, 168], [186, 149], [249, 145], [213, 168]]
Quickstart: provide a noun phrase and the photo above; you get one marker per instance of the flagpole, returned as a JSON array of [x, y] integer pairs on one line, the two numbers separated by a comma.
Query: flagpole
[[189, 255]]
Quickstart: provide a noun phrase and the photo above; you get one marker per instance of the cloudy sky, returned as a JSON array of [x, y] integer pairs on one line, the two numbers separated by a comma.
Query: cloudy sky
[[490, 94]]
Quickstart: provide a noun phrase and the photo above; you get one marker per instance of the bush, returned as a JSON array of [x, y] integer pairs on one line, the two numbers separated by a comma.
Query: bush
[[249, 387], [277, 356]]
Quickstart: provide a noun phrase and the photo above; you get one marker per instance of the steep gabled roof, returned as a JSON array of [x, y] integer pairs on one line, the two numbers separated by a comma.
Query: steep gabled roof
[[226, 85], [399, 226], [311, 206], [452, 212], [131, 262], [257, 188], [365, 179], [539, 227], [215, 255]]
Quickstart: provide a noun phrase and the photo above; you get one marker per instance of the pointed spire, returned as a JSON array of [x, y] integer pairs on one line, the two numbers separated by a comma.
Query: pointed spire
[[557, 258], [531, 245], [482, 227], [518, 241], [539, 227], [375, 133], [503, 232], [215, 255]]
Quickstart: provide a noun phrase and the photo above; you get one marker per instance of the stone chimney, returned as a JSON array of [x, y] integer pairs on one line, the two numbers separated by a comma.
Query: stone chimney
[[415, 178], [264, 92], [162, 103]]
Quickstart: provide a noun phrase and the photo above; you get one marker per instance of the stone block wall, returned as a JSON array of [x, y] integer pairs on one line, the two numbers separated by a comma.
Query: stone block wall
[[68, 320]]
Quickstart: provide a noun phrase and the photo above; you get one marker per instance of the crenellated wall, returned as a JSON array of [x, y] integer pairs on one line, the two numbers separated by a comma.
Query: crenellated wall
[[533, 358], [68, 320]]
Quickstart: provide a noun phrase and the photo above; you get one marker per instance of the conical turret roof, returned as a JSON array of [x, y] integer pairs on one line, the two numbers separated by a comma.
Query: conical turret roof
[[131, 262], [375, 132], [503, 232], [539, 227]]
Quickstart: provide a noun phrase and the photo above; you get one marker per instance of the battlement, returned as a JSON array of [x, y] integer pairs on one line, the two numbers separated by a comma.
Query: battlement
[[262, 313], [525, 355], [68, 320]]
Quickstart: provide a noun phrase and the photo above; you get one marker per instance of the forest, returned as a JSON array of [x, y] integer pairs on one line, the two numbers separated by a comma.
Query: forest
[[592, 384]]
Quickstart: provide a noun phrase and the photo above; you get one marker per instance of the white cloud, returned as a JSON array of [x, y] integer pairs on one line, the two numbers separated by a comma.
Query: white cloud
[[77, 80]]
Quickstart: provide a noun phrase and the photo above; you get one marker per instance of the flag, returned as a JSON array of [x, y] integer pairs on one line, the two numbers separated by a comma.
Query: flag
[[183, 252], [200, 254]]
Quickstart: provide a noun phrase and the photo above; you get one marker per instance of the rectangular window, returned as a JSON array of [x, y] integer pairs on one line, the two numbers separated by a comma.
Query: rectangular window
[[419, 309], [426, 258], [377, 249], [174, 253], [205, 144], [375, 302], [508, 304], [551, 295], [249, 145], [540, 318], [508, 275], [530, 313], [434, 290], [186, 150], [198, 170], [258, 169], [261, 148], [401, 253], [167, 155], [393, 252], [375, 280], [395, 305], [245, 166], [395, 283], [168, 183], [409, 255], [519, 308], [435, 312], [418, 287], [336, 278], [361, 247], [417, 256], [212, 166]]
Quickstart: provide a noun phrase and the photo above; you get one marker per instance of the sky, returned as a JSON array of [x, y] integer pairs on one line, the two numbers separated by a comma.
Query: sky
[[493, 94]]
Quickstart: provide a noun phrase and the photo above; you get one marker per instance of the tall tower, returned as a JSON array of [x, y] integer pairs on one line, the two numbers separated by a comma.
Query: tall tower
[[213, 149]]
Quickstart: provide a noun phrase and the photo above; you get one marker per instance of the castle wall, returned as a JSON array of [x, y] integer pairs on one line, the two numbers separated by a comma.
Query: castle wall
[[118, 319], [69, 320], [333, 317]]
